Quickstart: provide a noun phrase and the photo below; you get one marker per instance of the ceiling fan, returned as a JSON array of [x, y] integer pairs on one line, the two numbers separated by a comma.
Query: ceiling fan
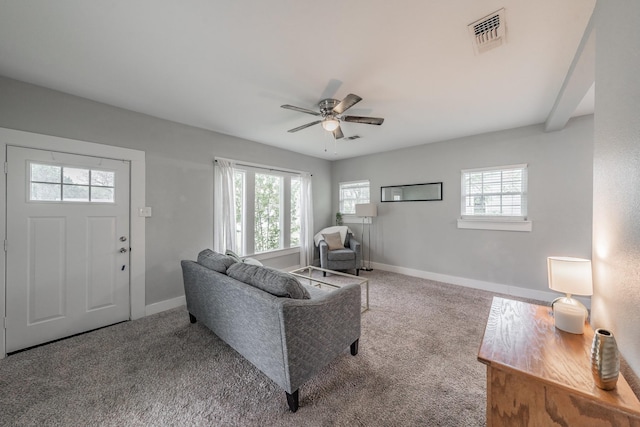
[[331, 111]]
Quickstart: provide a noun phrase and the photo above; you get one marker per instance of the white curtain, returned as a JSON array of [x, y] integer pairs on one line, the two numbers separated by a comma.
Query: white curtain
[[224, 213], [306, 221]]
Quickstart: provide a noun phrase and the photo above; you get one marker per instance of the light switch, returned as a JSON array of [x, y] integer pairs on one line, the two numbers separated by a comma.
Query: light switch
[[144, 212]]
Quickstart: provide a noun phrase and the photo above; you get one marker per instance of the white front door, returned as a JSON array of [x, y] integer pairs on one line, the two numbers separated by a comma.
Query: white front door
[[67, 245]]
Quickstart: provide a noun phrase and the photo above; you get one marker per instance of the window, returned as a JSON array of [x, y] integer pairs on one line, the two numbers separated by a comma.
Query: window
[[352, 194], [267, 210], [239, 189], [296, 225], [55, 183], [495, 194]]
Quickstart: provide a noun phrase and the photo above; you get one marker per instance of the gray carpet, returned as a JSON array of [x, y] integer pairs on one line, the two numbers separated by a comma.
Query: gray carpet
[[416, 366]]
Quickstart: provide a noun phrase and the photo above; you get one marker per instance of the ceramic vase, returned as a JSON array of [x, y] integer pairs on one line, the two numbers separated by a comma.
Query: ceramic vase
[[605, 359]]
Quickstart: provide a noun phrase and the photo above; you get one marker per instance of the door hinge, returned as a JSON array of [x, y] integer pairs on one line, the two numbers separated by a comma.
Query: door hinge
[[6, 167], [5, 245], [4, 323]]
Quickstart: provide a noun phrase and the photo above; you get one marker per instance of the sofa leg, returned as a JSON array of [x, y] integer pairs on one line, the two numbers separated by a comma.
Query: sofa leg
[[192, 318], [357, 271], [354, 347], [324, 274], [292, 400]]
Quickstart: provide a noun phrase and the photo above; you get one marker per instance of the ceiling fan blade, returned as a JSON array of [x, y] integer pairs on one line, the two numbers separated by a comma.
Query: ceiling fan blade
[[304, 126], [337, 134], [348, 102], [300, 109], [364, 120]]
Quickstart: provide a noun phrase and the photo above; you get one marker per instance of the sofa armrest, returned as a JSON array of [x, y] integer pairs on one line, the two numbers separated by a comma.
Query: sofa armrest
[[316, 331], [355, 246], [324, 252]]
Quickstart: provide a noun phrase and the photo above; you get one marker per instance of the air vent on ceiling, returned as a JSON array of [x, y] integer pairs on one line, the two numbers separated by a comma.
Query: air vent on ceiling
[[488, 32], [352, 137]]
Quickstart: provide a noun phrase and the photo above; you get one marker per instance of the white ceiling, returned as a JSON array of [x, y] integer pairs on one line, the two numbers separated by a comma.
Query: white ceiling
[[228, 65]]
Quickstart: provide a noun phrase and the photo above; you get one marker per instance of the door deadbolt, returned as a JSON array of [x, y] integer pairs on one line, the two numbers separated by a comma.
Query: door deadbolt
[[123, 250], [123, 239]]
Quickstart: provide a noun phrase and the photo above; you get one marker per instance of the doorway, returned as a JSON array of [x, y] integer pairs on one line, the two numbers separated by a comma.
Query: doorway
[[67, 245], [136, 159]]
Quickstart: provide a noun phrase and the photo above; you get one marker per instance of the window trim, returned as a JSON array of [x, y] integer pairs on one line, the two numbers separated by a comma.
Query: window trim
[[495, 222], [248, 226]]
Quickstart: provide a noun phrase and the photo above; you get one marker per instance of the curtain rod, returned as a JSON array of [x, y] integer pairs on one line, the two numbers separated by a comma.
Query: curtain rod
[[257, 166]]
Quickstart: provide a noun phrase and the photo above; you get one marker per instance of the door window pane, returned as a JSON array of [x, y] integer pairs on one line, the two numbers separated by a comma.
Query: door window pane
[[45, 173], [75, 176], [103, 178], [75, 193], [45, 192], [102, 194], [54, 183]]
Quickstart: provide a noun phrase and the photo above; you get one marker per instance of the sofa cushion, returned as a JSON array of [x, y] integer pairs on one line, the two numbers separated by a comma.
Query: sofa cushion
[[334, 241], [269, 280], [341, 255], [215, 261], [316, 292]]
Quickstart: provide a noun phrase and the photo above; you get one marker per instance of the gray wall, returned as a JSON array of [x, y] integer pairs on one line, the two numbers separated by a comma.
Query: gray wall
[[179, 175], [424, 235], [616, 214]]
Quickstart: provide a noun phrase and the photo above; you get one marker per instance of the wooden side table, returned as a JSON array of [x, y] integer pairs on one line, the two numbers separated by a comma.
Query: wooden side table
[[538, 375]]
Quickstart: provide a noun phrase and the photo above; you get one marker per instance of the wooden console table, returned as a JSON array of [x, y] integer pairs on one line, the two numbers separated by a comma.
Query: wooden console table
[[538, 375]]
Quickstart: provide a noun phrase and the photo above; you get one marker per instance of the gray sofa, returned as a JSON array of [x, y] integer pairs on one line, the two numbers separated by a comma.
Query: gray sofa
[[288, 339]]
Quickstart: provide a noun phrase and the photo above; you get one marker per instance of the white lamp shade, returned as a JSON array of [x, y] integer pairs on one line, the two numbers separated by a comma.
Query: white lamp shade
[[367, 210], [570, 275]]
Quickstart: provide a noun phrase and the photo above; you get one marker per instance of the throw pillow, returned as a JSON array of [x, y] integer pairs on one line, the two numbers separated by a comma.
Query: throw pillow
[[333, 241], [251, 261], [215, 261], [233, 255], [269, 280]]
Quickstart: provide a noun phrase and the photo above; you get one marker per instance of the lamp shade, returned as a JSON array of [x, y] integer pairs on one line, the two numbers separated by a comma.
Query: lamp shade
[[367, 210], [330, 124], [570, 275]]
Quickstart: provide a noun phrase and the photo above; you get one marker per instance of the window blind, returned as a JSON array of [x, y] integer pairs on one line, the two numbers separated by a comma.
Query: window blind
[[499, 192], [351, 194]]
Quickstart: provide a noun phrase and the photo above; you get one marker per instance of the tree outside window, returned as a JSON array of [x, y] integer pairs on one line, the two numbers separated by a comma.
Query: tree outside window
[[268, 209]]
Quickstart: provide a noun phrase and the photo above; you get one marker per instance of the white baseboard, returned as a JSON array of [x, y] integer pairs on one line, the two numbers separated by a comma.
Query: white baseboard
[[159, 307], [477, 284], [517, 291]]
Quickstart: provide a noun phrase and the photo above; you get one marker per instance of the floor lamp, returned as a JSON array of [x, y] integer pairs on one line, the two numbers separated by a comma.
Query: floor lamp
[[367, 210]]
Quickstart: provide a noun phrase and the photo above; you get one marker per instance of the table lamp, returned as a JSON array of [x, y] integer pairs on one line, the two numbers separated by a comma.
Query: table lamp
[[573, 277]]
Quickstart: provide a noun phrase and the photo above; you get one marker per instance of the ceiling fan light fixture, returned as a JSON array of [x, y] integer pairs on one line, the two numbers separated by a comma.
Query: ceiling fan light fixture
[[330, 124]]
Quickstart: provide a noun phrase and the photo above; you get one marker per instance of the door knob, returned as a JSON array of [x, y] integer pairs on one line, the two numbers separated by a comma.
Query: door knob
[[123, 250]]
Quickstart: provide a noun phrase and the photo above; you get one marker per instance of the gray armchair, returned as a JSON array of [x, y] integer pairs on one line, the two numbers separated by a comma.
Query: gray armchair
[[349, 258]]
